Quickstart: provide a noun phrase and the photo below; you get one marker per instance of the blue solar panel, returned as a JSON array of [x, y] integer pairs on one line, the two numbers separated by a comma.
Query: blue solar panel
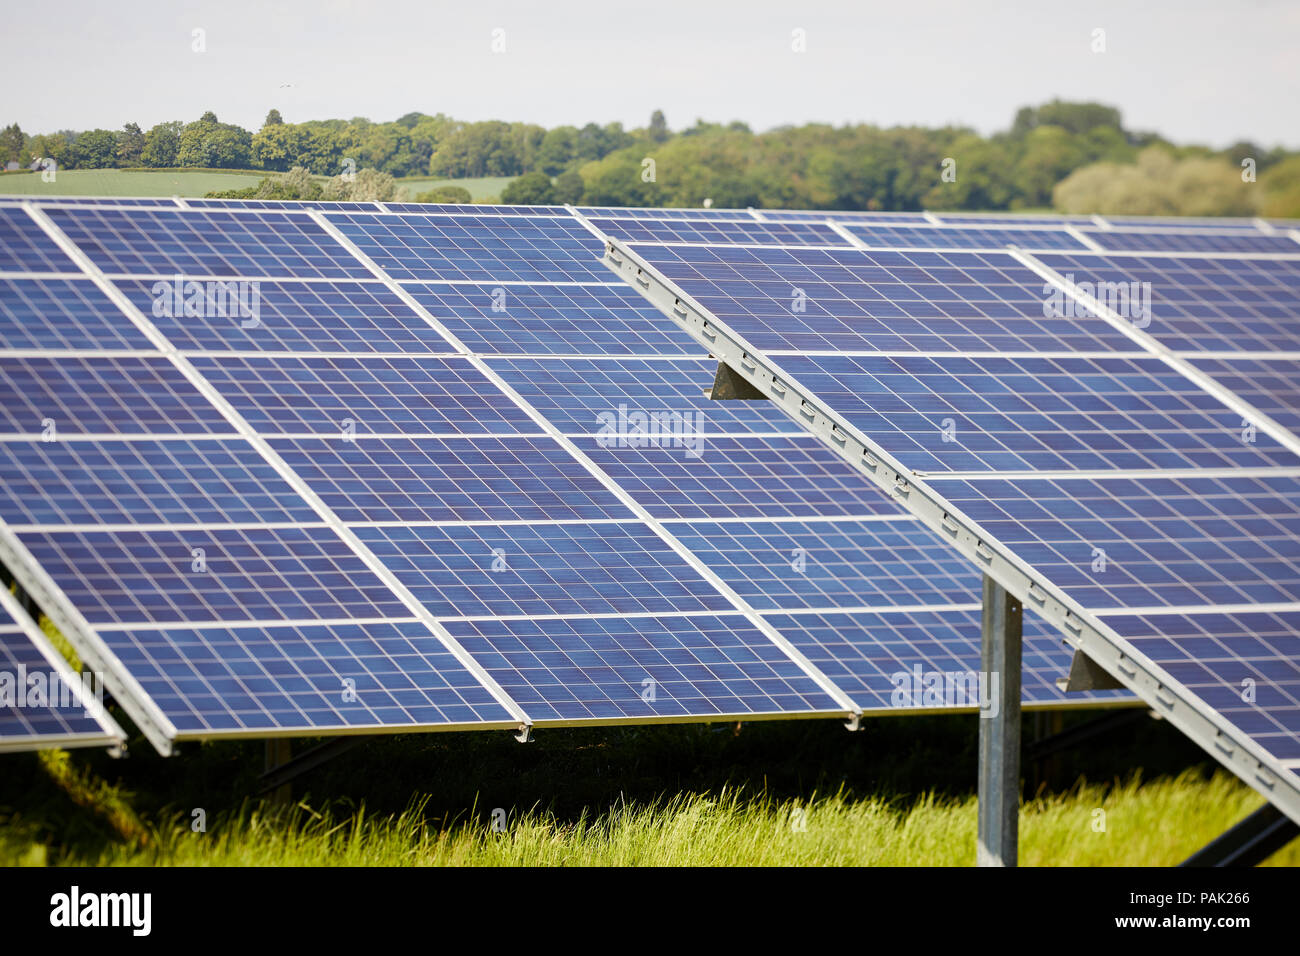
[[318, 678], [207, 243], [102, 395], [640, 669], [377, 395], [483, 479], [58, 717], [168, 481], [587, 396], [1025, 220], [796, 565], [956, 237], [1245, 666], [288, 205], [477, 248], [1040, 414], [24, 246], [1151, 542], [63, 314], [474, 209], [1205, 304], [840, 215], [216, 574], [69, 200], [1271, 385], [1133, 240], [544, 569], [658, 212], [553, 319], [282, 316], [815, 299], [747, 477], [1181, 222], [719, 231], [898, 661]]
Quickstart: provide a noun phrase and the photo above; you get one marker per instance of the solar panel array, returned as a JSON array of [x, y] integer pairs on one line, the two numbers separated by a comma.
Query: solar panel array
[[446, 472], [1117, 420]]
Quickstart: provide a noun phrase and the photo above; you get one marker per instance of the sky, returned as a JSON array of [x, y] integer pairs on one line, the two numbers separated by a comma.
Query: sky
[[1195, 71]]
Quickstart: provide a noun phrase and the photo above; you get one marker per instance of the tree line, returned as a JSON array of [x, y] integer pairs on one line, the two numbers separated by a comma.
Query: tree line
[[1074, 157]]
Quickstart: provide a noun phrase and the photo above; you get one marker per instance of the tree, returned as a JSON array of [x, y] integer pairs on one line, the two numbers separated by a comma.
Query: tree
[[368, 185], [279, 146], [214, 145], [95, 149], [658, 127], [569, 187], [12, 141], [208, 117], [273, 118], [446, 194], [161, 144], [1280, 190], [530, 189], [559, 148], [1158, 184], [130, 145]]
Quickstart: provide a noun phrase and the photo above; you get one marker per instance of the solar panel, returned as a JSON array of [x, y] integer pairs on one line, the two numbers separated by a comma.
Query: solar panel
[[551, 319], [629, 396], [474, 209], [1271, 385], [476, 248], [101, 395], [1032, 219], [665, 212], [362, 396], [169, 242], [703, 230], [24, 246], [1130, 240], [1041, 414], [840, 215], [62, 314], [1201, 303], [1182, 222], [832, 300], [543, 570], [641, 669], [285, 316], [879, 236]]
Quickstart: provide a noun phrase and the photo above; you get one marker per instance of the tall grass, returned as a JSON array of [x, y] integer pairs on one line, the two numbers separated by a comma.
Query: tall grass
[[1157, 823]]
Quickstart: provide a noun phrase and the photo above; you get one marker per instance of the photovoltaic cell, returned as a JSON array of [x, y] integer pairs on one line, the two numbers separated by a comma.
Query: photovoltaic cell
[[748, 477], [1153, 542], [816, 299], [102, 395], [1181, 222], [483, 479], [719, 231], [170, 242], [589, 670], [216, 574], [957, 237], [1010, 414], [49, 724], [587, 396], [287, 205], [797, 565], [218, 680], [1214, 655], [63, 314], [659, 212], [72, 200], [161, 482], [552, 319], [1271, 385], [995, 220], [545, 569], [377, 395], [898, 661], [474, 209], [840, 215], [1205, 304], [24, 246], [477, 248], [289, 316], [1168, 241]]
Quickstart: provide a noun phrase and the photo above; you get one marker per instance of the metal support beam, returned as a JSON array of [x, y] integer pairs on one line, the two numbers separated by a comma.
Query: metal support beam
[[1250, 842], [729, 385], [1086, 674], [999, 784]]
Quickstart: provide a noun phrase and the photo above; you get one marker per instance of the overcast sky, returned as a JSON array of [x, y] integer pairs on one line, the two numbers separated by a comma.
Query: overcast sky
[[1196, 71]]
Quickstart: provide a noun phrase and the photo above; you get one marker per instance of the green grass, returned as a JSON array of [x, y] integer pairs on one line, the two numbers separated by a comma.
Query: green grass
[[486, 187], [128, 182], [1157, 823]]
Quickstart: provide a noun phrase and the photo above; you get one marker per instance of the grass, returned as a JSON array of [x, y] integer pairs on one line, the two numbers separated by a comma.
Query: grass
[[485, 187], [128, 182], [898, 792], [1152, 824]]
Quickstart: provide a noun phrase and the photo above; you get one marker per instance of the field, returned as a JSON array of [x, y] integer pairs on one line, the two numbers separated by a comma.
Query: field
[[485, 187], [799, 793], [119, 182]]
